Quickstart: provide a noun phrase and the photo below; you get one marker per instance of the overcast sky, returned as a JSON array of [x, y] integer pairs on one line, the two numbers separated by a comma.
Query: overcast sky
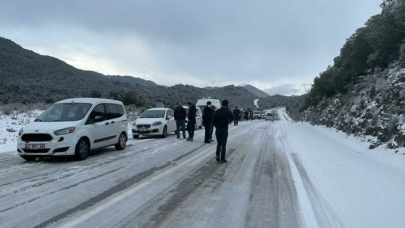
[[273, 45]]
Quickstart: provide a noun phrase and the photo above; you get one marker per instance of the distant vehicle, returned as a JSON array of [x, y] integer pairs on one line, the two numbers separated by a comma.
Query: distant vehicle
[[270, 116], [155, 121], [160, 105], [199, 121], [257, 115], [201, 103], [74, 127], [264, 114]]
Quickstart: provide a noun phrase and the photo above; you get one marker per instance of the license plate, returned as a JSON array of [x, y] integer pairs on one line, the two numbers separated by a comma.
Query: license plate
[[34, 146]]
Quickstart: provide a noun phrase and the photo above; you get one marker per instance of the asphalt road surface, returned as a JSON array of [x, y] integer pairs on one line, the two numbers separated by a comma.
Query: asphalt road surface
[[157, 182]]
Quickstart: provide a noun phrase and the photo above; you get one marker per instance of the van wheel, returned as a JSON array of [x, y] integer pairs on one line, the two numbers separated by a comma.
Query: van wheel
[[29, 158], [122, 142], [164, 135], [195, 126], [136, 136], [200, 126], [82, 149]]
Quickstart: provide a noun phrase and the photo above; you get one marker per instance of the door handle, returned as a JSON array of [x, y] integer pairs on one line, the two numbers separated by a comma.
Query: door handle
[[112, 122], [107, 123]]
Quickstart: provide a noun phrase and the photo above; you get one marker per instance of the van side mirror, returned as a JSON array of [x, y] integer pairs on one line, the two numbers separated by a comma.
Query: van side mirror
[[169, 117], [98, 119]]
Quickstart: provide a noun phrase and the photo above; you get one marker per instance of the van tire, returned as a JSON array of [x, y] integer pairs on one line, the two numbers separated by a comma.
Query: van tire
[[29, 158], [122, 142], [82, 149], [164, 135]]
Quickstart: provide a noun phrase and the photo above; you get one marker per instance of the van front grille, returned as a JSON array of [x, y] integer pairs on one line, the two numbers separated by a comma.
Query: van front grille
[[36, 137]]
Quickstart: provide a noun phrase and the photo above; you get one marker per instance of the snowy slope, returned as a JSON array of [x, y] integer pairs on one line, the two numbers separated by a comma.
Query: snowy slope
[[10, 125], [353, 185]]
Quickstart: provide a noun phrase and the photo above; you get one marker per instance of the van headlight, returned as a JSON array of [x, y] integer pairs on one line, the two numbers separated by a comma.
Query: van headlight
[[156, 123], [65, 131], [20, 132]]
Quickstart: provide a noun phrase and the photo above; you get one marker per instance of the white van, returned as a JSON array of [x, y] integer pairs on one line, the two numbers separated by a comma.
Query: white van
[[74, 127], [201, 103], [269, 116]]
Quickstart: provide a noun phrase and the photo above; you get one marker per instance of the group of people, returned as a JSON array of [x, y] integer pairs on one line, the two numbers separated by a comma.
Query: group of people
[[212, 117]]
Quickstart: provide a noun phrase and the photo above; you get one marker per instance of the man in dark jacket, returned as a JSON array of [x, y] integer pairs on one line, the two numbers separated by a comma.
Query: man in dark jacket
[[207, 118], [180, 117], [236, 116], [221, 120], [246, 115], [192, 112]]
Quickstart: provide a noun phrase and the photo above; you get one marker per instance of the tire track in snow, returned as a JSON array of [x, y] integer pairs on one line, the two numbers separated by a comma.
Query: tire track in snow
[[117, 188]]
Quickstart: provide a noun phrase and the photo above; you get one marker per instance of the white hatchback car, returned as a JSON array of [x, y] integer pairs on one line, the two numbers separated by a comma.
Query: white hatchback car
[[74, 127], [155, 121]]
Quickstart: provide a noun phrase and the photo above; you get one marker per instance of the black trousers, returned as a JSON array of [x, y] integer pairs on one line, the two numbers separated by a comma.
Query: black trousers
[[222, 138], [236, 122], [190, 128], [207, 131]]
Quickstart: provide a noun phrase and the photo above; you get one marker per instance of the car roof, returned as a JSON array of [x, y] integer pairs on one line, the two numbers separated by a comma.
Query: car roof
[[162, 109], [90, 100], [204, 101]]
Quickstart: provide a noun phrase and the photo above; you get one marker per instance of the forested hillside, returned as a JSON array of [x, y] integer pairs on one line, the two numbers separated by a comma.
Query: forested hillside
[[363, 93], [27, 77], [369, 50]]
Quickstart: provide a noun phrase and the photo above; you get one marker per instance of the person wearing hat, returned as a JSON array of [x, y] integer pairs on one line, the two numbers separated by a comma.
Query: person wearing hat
[[221, 120]]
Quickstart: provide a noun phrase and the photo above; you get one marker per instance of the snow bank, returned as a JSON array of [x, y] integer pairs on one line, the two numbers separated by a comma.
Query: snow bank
[[359, 187], [10, 125]]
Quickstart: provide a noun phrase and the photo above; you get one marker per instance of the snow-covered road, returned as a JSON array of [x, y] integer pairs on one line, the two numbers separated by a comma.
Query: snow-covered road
[[271, 180]]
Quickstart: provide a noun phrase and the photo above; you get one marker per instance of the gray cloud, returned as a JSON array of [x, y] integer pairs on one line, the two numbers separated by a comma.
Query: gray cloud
[[285, 89], [265, 43]]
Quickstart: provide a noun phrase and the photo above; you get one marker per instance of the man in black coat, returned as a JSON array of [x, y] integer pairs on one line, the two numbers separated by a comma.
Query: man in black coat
[[221, 119], [236, 116], [180, 117], [207, 117], [192, 112]]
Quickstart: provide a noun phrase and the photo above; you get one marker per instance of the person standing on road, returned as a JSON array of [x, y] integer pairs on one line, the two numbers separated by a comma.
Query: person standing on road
[[246, 115], [251, 115], [180, 117], [192, 111], [230, 121], [207, 118], [236, 116], [212, 123], [221, 119]]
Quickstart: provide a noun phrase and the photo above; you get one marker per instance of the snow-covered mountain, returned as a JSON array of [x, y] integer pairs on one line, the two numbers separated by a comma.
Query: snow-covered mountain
[[256, 91]]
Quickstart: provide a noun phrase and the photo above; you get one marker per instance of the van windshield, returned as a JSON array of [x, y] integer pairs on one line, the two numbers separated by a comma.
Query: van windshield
[[153, 114], [62, 112]]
